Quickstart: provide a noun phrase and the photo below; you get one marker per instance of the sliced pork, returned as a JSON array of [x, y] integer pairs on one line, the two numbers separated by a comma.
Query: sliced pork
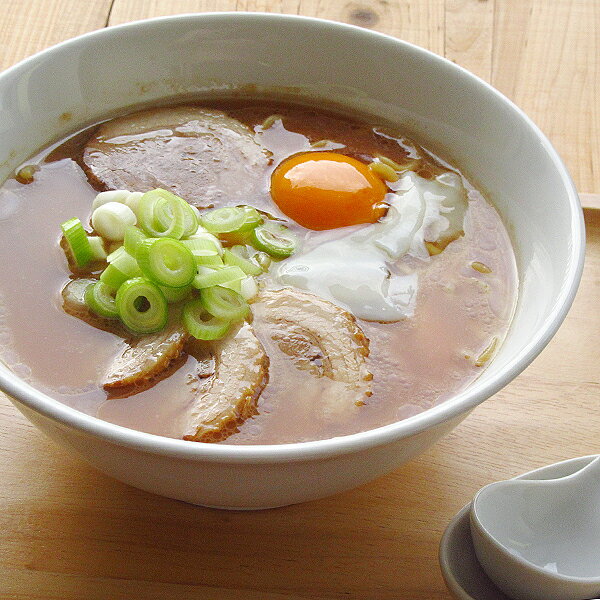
[[230, 395], [202, 155]]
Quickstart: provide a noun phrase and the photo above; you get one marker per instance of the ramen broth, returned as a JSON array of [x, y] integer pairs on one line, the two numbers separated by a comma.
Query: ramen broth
[[462, 309]]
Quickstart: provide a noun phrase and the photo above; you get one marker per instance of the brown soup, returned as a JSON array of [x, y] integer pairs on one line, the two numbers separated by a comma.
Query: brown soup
[[367, 323]]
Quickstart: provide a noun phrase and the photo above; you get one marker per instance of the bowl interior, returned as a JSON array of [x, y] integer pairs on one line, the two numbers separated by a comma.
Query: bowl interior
[[469, 123]]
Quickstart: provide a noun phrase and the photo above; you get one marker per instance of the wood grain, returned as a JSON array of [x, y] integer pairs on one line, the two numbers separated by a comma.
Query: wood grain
[[468, 39], [28, 27], [547, 60], [421, 22], [70, 533]]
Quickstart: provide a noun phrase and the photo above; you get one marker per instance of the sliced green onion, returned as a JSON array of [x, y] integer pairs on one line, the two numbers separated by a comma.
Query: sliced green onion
[[110, 196], [202, 234], [208, 277], [97, 246], [247, 266], [274, 239], [114, 253], [252, 218], [142, 306], [160, 202], [113, 277], [199, 323], [99, 298], [163, 213], [166, 262], [173, 295], [133, 236], [223, 220], [133, 201], [209, 261], [223, 303], [78, 241], [111, 219], [122, 260], [201, 247], [236, 286]]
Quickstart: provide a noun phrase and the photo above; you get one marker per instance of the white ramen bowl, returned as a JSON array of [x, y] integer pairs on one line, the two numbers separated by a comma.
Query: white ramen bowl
[[503, 153]]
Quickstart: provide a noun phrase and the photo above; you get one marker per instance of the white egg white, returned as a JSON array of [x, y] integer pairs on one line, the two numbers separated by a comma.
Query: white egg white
[[357, 270]]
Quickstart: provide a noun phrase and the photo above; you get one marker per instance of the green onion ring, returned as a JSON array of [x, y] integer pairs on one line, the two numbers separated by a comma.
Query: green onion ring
[[147, 217], [224, 303], [142, 306], [274, 239], [99, 299], [201, 324], [166, 261], [78, 242], [223, 220]]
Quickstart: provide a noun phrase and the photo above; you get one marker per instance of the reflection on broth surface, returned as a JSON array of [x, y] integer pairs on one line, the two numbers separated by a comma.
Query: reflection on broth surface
[[400, 276]]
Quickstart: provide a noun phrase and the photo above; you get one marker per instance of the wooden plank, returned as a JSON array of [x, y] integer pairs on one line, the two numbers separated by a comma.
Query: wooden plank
[[468, 30], [547, 59], [124, 11], [28, 26], [421, 22]]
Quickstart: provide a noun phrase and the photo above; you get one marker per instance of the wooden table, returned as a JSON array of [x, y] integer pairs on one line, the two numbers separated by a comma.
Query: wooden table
[[68, 532]]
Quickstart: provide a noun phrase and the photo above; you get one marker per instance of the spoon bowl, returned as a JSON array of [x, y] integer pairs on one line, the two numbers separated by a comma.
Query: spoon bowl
[[539, 540]]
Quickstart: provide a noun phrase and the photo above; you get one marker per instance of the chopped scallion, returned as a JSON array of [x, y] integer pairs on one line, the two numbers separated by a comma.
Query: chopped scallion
[[133, 236], [173, 295], [224, 303], [113, 277], [252, 218], [122, 260], [208, 277], [235, 259], [166, 261], [209, 261], [78, 242], [274, 239], [97, 246], [99, 298], [163, 213], [201, 324], [152, 208], [248, 288], [202, 247], [223, 220], [111, 219], [142, 306]]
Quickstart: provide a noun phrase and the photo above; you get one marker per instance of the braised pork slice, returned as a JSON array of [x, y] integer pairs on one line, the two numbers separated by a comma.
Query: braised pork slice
[[321, 337], [230, 395], [202, 155], [143, 359]]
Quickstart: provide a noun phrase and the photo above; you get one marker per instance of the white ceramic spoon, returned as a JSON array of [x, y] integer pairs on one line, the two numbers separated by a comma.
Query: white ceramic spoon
[[540, 540]]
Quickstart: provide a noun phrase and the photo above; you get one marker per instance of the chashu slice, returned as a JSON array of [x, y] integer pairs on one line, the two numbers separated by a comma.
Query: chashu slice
[[145, 358], [230, 395], [202, 155], [321, 337], [142, 359]]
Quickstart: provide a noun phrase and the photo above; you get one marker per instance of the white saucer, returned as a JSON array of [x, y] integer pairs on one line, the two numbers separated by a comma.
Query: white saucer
[[463, 574]]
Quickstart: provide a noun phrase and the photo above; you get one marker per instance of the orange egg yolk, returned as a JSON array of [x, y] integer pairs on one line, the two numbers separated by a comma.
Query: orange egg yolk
[[325, 190]]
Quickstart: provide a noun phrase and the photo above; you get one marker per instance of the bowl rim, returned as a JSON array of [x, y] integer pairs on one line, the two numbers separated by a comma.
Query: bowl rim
[[463, 402]]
